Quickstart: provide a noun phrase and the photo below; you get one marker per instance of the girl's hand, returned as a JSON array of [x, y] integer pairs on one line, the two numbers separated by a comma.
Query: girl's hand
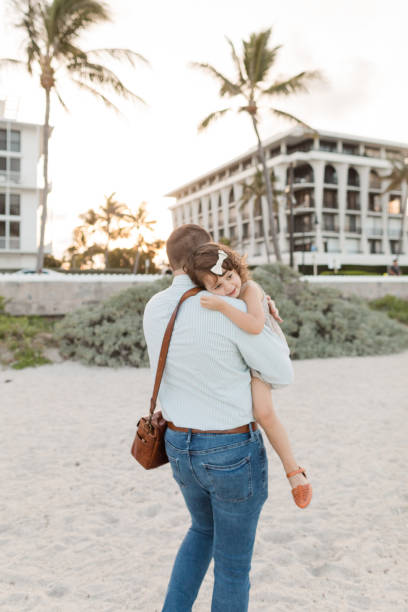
[[211, 302], [273, 310]]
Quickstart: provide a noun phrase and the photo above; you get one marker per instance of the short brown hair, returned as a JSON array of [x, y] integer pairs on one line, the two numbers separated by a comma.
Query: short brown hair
[[201, 261], [183, 241]]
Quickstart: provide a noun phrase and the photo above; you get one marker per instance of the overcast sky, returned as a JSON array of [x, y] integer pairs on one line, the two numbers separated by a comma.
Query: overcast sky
[[361, 46]]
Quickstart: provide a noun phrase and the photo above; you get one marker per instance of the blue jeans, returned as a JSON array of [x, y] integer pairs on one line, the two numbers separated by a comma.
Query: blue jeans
[[224, 482]]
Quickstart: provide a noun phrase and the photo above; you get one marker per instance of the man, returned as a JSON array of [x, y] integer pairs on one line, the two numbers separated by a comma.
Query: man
[[394, 270], [215, 449]]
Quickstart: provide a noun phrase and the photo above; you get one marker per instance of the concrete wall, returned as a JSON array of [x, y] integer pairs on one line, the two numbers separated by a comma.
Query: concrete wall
[[368, 287], [55, 296]]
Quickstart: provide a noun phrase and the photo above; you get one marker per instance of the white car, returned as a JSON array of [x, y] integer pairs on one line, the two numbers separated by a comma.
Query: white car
[[32, 271]]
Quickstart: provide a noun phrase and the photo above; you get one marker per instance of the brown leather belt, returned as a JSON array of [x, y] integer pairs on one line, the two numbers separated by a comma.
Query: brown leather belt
[[237, 430]]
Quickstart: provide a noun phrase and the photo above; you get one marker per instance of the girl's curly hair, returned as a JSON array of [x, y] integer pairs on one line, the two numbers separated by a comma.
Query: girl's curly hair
[[204, 257]]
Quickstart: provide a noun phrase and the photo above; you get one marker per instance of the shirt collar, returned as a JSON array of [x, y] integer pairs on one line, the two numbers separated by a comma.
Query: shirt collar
[[182, 280]]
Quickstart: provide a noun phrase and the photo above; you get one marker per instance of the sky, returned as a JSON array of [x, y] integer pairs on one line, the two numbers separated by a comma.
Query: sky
[[360, 46]]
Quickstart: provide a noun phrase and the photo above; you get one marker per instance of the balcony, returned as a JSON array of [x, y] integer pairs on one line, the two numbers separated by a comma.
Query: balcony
[[8, 176], [375, 231], [353, 230], [394, 233], [330, 228]]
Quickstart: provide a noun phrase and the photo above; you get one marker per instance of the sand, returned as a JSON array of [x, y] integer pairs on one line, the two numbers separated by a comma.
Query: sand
[[84, 528]]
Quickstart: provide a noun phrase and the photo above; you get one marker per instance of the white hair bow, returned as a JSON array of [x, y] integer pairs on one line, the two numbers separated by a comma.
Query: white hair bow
[[217, 268]]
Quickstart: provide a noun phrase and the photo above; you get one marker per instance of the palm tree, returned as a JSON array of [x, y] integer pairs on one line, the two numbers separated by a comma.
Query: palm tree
[[109, 222], [139, 222], [251, 84], [257, 190], [52, 29], [398, 178]]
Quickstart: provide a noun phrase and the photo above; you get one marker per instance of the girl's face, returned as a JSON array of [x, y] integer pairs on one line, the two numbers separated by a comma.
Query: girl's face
[[229, 284]]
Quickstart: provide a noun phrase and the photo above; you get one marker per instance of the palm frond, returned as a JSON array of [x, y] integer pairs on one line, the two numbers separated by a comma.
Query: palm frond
[[228, 88], [290, 117], [119, 54], [295, 84], [30, 20], [211, 118], [65, 19], [61, 101], [9, 61], [236, 61], [258, 59], [96, 73], [97, 94]]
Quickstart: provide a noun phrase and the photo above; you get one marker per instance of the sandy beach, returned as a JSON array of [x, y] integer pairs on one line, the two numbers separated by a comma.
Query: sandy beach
[[84, 528]]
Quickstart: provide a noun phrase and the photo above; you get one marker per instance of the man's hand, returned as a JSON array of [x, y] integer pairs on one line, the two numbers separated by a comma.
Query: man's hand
[[212, 302], [273, 310]]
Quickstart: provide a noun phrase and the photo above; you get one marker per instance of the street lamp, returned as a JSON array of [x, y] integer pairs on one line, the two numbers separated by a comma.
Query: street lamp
[[289, 195]]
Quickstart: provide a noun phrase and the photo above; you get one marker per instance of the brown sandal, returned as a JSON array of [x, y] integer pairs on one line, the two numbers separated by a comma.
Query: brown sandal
[[302, 494]]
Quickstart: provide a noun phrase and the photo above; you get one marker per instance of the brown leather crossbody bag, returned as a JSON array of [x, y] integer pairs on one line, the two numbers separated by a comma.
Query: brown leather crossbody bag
[[148, 446]]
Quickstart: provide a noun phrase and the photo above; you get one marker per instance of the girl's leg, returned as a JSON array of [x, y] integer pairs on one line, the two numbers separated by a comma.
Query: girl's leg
[[265, 415]]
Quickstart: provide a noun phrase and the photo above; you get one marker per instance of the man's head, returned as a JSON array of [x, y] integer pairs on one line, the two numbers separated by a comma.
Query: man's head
[[395, 261], [182, 242]]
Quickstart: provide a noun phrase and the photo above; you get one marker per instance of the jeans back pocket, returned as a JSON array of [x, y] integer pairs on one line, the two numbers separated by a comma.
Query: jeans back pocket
[[175, 468], [231, 483]]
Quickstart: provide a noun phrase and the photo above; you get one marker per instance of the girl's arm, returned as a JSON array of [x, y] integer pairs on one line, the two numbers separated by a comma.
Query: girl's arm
[[252, 321]]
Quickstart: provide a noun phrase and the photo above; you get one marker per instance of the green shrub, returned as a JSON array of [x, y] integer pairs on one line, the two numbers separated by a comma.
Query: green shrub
[[318, 322], [394, 307], [111, 333], [23, 340]]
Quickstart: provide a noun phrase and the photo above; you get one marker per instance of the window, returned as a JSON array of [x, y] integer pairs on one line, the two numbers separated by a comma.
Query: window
[[375, 246], [353, 200], [328, 145], [375, 181], [350, 148], [301, 174], [330, 175], [231, 197], [392, 154], [394, 247], [351, 224], [329, 223], [372, 152], [304, 197], [303, 223], [3, 163], [247, 163], [374, 202], [15, 204], [258, 228], [221, 233], [2, 234], [274, 152], [245, 211], [330, 198], [2, 203], [200, 208], [394, 205], [353, 179], [305, 146], [15, 141], [15, 164], [3, 140], [257, 208], [14, 234], [245, 231]]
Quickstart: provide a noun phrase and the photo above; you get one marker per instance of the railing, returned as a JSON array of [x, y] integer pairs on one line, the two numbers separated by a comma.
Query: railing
[[8, 176], [331, 228], [354, 230], [375, 231]]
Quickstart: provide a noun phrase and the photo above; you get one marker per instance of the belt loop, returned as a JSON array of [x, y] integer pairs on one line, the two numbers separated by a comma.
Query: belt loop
[[251, 431], [189, 437]]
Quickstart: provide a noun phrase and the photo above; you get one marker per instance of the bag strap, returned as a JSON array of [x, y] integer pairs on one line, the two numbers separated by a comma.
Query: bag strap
[[165, 348]]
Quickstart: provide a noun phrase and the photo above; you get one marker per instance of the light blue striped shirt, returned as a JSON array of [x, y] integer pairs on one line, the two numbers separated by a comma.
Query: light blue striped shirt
[[206, 381]]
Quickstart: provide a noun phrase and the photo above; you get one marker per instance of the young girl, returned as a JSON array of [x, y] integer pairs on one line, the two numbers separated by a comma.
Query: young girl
[[222, 271]]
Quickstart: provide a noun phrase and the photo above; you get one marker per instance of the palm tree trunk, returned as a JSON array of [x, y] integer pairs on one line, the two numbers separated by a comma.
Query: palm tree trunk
[[404, 196], [269, 194], [265, 233], [44, 194], [136, 264]]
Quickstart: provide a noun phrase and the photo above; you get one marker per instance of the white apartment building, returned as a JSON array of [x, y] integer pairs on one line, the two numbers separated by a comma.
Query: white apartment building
[[341, 211], [20, 152]]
